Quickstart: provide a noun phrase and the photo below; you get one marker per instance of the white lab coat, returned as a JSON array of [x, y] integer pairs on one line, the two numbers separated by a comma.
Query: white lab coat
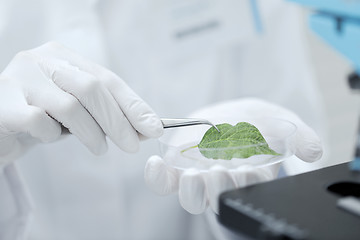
[[153, 46]]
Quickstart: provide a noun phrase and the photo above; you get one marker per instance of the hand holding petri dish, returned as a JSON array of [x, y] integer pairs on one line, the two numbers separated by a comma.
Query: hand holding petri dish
[[183, 148]]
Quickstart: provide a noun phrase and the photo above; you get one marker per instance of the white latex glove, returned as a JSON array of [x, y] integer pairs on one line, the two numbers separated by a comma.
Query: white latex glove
[[198, 190], [48, 87]]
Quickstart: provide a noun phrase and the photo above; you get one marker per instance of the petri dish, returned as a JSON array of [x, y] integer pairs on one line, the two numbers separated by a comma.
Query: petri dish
[[177, 145]]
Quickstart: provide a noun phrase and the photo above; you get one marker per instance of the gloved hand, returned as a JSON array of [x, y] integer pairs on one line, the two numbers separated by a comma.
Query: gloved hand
[[197, 189], [48, 87]]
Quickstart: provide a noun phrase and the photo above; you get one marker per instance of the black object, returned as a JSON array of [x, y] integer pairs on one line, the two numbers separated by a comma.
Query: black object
[[354, 81], [297, 207]]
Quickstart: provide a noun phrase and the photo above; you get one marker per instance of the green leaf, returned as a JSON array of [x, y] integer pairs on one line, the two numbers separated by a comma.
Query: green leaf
[[240, 141]]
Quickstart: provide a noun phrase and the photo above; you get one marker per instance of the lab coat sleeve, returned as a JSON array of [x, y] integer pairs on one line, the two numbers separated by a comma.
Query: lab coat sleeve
[[7, 158], [13, 149], [15, 206]]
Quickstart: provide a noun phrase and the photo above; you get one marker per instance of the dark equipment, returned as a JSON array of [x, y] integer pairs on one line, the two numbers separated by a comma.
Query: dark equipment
[[323, 204]]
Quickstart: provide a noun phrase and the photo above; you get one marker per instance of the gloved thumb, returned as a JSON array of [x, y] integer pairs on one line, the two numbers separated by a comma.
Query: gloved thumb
[[308, 146], [159, 177]]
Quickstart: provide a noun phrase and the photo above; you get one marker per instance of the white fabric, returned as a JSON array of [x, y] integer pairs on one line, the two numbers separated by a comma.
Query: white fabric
[[16, 204], [78, 195], [198, 189]]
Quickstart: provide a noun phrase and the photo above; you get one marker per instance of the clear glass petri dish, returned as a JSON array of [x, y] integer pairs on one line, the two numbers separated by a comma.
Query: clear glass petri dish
[[177, 145]]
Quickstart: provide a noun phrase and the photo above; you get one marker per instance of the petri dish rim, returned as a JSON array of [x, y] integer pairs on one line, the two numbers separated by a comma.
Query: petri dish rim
[[269, 160]]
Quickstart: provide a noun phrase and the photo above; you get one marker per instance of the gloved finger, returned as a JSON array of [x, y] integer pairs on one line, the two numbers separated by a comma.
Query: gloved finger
[[39, 125], [218, 180], [67, 110], [31, 120], [248, 175], [159, 177], [192, 192], [98, 101], [142, 137], [140, 115]]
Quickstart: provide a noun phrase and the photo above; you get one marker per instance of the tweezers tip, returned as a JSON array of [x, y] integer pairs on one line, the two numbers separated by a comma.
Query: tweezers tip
[[215, 128]]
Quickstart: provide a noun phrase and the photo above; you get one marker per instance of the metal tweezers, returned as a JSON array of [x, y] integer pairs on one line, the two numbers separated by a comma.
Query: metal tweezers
[[182, 122]]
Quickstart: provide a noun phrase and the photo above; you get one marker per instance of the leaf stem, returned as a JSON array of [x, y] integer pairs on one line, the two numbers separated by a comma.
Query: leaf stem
[[186, 149]]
